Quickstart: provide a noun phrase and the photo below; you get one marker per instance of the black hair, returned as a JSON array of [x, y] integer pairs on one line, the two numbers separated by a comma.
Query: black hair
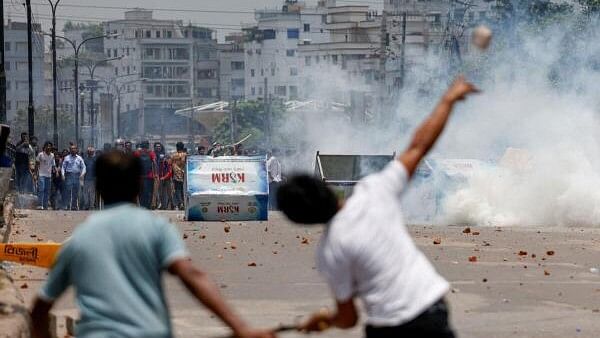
[[179, 146], [47, 143], [307, 200], [117, 177]]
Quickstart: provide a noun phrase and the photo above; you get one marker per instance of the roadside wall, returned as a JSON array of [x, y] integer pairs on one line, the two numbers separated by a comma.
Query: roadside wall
[[14, 315]]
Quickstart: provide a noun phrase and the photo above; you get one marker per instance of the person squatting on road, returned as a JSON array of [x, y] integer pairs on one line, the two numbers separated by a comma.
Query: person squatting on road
[[366, 251], [115, 261], [73, 170]]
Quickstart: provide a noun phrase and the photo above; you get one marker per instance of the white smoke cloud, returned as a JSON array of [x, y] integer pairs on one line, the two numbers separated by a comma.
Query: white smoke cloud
[[539, 96]]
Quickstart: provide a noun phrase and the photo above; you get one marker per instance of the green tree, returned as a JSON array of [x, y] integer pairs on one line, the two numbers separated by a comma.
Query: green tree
[[44, 126], [250, 118]]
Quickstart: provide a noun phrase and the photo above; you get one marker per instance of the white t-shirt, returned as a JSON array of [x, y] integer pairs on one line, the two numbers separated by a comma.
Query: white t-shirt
[[367, 252], [46, 164], [274, 169]]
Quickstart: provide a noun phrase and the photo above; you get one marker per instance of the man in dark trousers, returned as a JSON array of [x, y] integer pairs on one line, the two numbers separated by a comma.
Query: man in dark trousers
[[148, 161], [115, 261], [366, 251]]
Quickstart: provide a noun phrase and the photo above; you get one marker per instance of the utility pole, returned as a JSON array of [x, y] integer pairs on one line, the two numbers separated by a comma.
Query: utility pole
[[30, 109], [54, 77], [3, 118], [382, 62], [267, 107], [403, 52]]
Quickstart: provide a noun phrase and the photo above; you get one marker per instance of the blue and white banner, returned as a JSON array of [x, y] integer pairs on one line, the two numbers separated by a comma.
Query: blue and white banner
[[226, 188]]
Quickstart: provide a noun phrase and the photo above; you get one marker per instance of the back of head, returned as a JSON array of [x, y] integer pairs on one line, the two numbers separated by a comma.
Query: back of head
[[118, 177], [179, 146], [307, 200]]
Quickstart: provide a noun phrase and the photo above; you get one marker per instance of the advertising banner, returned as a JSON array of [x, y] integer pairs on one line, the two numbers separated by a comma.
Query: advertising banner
[[226, 188]]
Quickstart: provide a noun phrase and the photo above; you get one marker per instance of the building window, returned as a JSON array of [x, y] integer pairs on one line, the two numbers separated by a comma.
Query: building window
[[324, 18], [334, 59], [293, 71], [262, 72], [293, 33], [137, 34], [272, 71], [280, 90], [169, 34], [115, 51], [252, 72], [7, 46], [269, 34], [253, 91], [127, 51], [293, 92], [237, 65], [157, 34], [108, 52], [307, 27], [148, 34], [260, 90], [307, 60], [290, 52], [116, 71], [128, 72]]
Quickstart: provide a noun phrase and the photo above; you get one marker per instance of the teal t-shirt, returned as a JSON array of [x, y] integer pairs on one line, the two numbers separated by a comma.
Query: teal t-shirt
[[114, 260]]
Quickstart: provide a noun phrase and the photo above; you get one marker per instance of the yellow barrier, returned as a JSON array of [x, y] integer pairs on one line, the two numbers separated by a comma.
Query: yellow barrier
[[36, 254]]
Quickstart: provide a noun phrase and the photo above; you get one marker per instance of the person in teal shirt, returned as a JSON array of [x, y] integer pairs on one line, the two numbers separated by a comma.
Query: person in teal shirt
[[115, 260]]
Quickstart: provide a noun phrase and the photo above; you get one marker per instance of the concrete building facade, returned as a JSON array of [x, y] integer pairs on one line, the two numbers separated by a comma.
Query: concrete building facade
[[16, 63], [232, 68], [166, 65]]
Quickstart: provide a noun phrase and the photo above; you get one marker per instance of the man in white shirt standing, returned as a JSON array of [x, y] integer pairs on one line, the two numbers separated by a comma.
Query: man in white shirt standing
[[274, 171], [73, 170], [366, 251], [45, 166]]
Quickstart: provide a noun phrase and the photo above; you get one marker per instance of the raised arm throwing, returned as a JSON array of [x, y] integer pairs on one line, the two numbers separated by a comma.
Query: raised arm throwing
[[429, 131]]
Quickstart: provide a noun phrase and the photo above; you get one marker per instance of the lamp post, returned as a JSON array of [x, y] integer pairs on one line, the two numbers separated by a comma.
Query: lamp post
[[82, 98], [54, 5], [119, 90], [93, 86], [77, 50]]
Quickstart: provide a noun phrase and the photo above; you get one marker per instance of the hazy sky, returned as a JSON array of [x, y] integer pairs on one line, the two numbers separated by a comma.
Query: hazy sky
[[222, 22]]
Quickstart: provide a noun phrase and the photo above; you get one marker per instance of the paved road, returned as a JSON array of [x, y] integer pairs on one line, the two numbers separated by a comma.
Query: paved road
[[503, 294]]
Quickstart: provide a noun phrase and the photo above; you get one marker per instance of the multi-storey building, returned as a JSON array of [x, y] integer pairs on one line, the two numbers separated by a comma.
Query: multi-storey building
[[232, 68], [166, 65], [16, 65], [272, 63]]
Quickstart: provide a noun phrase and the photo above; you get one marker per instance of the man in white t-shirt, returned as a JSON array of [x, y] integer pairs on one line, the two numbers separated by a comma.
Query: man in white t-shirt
[[45, 167], [274, 171], [366, 251]]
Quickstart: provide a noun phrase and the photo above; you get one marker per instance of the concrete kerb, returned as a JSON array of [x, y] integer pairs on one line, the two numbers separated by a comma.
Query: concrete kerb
[[14, 315]]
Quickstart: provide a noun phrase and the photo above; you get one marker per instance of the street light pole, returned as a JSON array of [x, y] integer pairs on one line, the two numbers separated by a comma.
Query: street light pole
[[54, 79], [93, 86], [30, 109], [76, 50], [3, 118]]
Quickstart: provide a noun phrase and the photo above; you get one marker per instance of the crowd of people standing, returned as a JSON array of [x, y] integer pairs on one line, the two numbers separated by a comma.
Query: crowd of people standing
[[65, 180]]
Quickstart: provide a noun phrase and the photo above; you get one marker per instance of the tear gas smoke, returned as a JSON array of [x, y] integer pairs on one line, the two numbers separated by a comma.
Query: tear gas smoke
[[539, 100]]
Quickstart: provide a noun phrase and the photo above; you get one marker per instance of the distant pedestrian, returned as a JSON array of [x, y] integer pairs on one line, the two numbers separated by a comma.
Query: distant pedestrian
[[274, 177], [46, 167], [178, 166], [366, 251], [148, 161], [24, 163], [56, 196], [128, 147], [88, 198], [165, 188], [202, 150], [115, 261], [73, 170]]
